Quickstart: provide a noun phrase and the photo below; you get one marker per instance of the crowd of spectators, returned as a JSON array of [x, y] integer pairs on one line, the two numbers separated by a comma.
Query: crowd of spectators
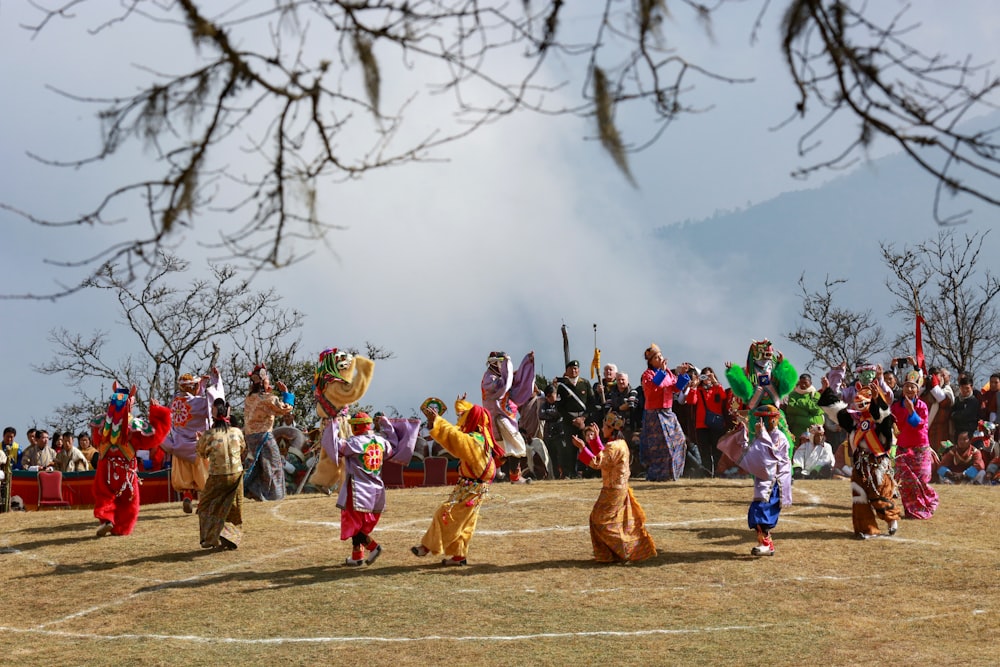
[[961, 429]]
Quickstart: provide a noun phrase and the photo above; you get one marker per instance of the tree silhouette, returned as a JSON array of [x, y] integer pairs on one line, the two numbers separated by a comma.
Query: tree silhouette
[[319, 92]]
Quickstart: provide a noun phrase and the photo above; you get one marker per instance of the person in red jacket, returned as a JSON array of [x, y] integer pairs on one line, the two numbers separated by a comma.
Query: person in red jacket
[[116, 436]]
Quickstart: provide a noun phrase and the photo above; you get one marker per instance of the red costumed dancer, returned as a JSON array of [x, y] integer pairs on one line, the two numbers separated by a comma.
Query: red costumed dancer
[[117, 436]]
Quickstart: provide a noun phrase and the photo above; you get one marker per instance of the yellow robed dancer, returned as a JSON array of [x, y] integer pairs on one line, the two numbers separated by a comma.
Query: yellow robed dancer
[[472, 443]]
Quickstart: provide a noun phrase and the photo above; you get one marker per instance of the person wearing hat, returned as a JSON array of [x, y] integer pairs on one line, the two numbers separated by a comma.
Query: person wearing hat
[[504, 390], [118, 435], [662, 445], [471, 442], [191, 412], [575, 404], [914, 456], [766, 458], [264, 478], [617, 522], [362, 495], [868, 424]]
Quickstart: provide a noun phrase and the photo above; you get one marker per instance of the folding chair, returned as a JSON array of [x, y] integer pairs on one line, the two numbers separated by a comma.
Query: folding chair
[[436, 471], [392, 475], [50, 489]]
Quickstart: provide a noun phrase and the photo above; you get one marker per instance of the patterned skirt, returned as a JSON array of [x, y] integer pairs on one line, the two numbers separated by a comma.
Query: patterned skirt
[[618, 528], [265, 474], [913, 475], [220, 510], [662, 446]]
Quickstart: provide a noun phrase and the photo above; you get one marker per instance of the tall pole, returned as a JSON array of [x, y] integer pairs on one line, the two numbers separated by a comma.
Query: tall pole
[[565, 337]]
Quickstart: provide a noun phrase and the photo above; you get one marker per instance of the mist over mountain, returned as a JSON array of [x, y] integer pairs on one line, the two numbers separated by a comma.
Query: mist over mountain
[[833, 230]]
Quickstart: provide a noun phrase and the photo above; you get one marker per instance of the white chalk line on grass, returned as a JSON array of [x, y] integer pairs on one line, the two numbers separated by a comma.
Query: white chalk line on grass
[[166, 584], [265, 641]]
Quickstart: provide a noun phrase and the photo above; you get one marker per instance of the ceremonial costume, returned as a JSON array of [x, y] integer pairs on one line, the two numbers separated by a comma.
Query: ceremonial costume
[[220, 505], [766, 458], [617, 522], [264, 478], [504, 389], [340, 379], [662, 444], [763, 381], [868, 424], [362, 495], [914, 458], [117, 436], [472, 443], [190, 411]]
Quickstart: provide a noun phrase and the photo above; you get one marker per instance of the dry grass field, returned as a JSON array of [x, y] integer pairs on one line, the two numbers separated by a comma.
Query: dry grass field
[[530, 595]]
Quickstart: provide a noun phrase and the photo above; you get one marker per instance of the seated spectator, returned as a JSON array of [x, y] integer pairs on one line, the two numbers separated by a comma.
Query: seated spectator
[[813, 456], [87, 448], [39, 455], [69, 458], [11, 450], [962, 462]]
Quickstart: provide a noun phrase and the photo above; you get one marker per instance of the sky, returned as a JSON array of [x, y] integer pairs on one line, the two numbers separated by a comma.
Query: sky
[[519, 229]]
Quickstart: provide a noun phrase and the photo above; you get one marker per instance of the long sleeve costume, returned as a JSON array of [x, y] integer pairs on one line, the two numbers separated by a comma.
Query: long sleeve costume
[[455, 520], [869, 430], [117, 436]]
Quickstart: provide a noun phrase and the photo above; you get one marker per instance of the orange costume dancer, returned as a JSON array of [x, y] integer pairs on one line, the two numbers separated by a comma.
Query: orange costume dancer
[[116, 437]]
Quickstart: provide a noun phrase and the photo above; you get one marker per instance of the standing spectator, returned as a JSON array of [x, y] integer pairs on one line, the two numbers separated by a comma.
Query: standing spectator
[[962, 462], [83, 443], [965, 409], [988, 400], [553, 433], [802, 406], [265, 474], [662, 447], [576, 405], [914, 455], [10, 448], [889, 377], [603, 386], [621, 399], [709, 401], [939, 397], [39, 455], [69, 458]]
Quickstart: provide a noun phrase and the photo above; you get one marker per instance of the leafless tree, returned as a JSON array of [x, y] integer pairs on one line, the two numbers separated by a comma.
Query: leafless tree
[[843, 62], [177, 329], [950, 284], [299, 87], [833, 334]]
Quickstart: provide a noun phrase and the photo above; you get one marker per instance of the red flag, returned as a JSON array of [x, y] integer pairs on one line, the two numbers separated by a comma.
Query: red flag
[[920, 345]]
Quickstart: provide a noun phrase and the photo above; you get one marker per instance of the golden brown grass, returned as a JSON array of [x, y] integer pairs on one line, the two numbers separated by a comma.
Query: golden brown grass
[[531, 595]]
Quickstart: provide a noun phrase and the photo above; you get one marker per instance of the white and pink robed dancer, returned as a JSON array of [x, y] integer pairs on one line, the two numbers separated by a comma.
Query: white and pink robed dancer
[[504, 389]]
